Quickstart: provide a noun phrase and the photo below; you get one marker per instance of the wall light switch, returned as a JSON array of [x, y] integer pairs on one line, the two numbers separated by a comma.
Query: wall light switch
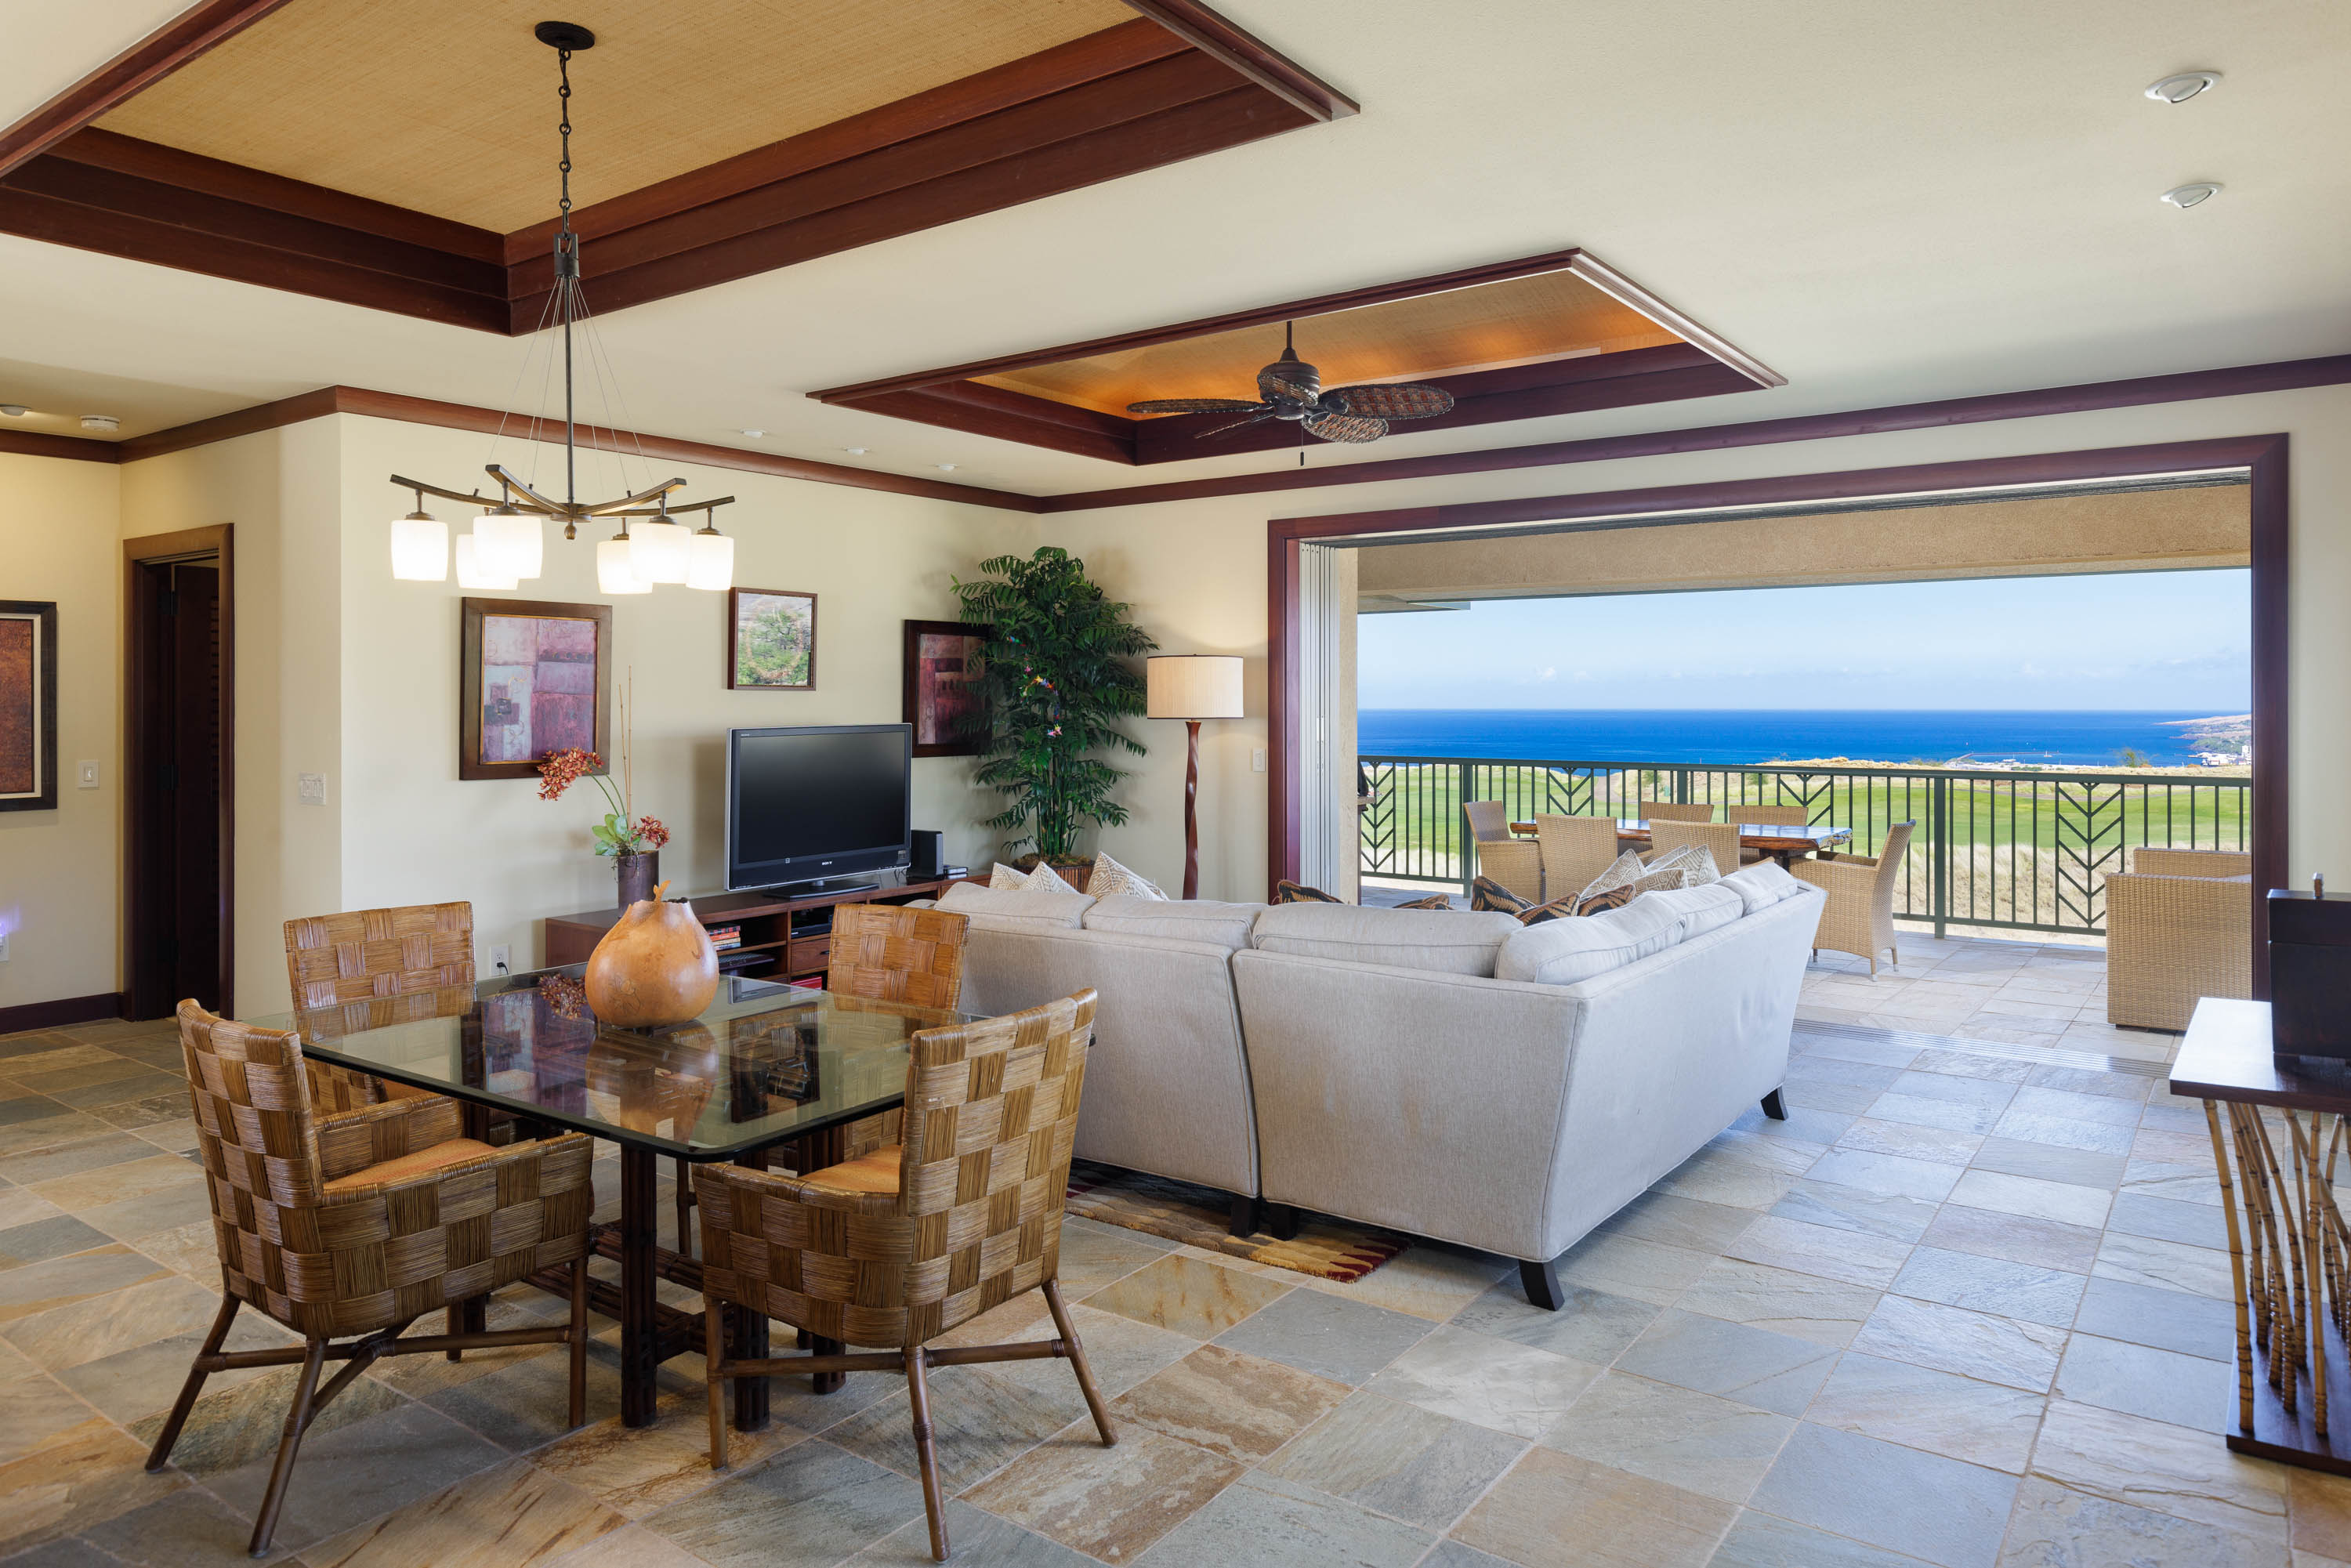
[[498, 957], [312, 787], [1256, 760], [85, 775]]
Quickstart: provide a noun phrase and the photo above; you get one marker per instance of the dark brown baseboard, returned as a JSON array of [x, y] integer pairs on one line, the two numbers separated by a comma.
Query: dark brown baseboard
[[64, 1011]]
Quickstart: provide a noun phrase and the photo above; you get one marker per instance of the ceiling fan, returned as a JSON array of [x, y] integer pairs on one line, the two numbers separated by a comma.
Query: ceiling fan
[[1291, 389]]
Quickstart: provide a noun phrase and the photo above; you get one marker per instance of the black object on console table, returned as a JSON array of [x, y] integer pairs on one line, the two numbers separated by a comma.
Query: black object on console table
[[795, 933], [2310, 973]]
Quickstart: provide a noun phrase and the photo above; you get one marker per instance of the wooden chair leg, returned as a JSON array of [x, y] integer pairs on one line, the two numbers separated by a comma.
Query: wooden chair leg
[[918, 1395], [714, 1353], [579, 1345], [1069, 1333], [160, 1455], [684, 1208], [455, 1319], [297, 1418]]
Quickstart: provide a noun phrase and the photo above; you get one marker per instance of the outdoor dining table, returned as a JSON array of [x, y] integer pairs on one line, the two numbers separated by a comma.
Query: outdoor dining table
[[1783, 841], [763, 1065]]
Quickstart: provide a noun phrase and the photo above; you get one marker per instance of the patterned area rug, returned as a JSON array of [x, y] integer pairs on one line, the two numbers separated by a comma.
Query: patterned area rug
[[1326, 1249]]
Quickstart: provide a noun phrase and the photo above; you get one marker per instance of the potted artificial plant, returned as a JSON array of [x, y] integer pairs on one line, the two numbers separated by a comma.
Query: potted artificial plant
[[1058, 678]]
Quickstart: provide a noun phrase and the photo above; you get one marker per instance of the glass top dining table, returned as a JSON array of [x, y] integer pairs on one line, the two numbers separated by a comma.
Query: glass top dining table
[[763, 1064]]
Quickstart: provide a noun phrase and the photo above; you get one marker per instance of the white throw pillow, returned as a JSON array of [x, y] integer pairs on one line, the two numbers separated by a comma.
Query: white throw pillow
[[1002, 878], [1045, 880], [1764, 884], [1112, 880], [1564, 952], [1454, 942], [1695, 862], [1018, 909], [1624, 872]]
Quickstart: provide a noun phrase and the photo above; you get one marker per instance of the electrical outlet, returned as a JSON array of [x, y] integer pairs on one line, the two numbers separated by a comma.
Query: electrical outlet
[[498, 956], [4, 946], [86, 775], [1256, 760], [311, 787]]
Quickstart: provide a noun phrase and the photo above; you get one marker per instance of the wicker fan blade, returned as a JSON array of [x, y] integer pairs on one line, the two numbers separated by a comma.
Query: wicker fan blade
[[1346, 427], [1394, 400], [1273, 386], [1194, 406], [1220, 429]]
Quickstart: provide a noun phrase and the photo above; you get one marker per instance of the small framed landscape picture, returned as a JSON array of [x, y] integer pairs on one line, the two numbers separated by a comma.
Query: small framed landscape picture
[[770, 640], [28, 704], [534, 677], [943, 700]]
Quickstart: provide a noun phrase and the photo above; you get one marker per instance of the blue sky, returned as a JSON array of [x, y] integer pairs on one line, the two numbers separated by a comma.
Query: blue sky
[[2160, 639]]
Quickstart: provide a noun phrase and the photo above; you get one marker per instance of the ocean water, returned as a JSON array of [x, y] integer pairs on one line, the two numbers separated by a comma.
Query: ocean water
[[1749, 734]]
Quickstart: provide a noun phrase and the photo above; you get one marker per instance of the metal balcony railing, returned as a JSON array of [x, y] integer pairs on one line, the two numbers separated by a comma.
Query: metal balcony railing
[[2024, 850]]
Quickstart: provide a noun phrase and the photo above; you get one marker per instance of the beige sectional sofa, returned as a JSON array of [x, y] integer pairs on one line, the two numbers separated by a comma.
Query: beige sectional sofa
[[1447, 1074]]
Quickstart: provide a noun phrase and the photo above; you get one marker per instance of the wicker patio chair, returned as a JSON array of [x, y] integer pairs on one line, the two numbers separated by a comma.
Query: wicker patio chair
[[1769, 817], [1859, 915], [1720, 839], [899, 1247], [1517, 864], [1667, 812], [354, 960], [349, 1228], [2178, 926], [1576, 850]]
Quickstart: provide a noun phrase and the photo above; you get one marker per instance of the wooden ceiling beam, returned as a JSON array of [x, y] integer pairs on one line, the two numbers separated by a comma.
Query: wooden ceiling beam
[[1252, 57]]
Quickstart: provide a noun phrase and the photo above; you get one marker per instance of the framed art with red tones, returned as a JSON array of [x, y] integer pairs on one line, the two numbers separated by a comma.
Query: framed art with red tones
[[534, 677], [943, 699], [28, 704]]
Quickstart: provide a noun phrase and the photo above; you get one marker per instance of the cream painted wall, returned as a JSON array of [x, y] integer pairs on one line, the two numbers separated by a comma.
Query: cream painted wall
[[411, 831], [1196, 570], [60, 870]]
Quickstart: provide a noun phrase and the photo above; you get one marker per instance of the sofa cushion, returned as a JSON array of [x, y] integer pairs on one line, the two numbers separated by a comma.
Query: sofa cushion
[[1563, 952], [1452, 942], [1763, 884], [999, 909], [1702, 909], [1112, 880], [1226, 926]]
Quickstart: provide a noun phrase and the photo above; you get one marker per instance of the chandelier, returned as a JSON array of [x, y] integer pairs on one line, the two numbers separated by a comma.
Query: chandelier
[[506, 544]]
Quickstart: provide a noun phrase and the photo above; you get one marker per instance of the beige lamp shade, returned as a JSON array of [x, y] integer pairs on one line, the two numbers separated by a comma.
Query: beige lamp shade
[[1194, 686]]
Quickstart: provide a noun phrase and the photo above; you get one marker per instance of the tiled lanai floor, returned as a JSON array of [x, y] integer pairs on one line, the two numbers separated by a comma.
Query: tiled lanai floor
[[1965, 1306]]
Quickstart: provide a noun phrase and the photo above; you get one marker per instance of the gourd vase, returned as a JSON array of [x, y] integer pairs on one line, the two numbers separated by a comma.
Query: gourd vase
[[654, 966]]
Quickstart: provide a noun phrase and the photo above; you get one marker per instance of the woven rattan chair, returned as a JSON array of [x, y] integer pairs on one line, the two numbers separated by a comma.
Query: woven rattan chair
[[362, 956], [349, 1228], [1576, 850], [899, 1247], [1517, 864], [1859, 915], [2178, 926], [1667, 812], [1720, 839], [1768, 817]]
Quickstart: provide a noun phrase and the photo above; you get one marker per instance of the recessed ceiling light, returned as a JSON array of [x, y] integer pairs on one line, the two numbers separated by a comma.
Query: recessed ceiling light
[[857, 451], [754, 434], [2194, 194], [100, 421], [948, 467], [2181, 88], [14, 409]]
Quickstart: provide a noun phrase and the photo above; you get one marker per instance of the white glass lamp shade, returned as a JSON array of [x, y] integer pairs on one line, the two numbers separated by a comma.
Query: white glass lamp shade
[[509, 543], [711, 562], [469, 567], [1194, 685], [616, 567], [664, 550], [420, 549]]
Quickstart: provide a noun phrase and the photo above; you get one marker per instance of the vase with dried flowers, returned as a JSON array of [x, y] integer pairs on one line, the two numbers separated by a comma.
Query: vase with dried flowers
[[634, 843]]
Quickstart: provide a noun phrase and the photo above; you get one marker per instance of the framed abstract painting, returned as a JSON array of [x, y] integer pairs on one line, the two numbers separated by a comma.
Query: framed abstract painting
[[943, 698], [533, 678], [770, 640], [28, 704]]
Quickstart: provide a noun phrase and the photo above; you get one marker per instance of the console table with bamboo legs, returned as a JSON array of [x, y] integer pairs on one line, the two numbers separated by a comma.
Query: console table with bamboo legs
[[2280, 1139]]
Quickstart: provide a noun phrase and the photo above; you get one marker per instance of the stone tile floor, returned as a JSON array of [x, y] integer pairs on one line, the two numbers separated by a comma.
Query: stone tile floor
[[1964, 1307]]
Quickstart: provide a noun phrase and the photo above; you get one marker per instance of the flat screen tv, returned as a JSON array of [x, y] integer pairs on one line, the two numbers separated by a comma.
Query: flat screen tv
[[815, 803]]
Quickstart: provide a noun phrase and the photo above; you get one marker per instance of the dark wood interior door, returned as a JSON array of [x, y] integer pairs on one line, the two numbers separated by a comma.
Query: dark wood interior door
[[177, 915]]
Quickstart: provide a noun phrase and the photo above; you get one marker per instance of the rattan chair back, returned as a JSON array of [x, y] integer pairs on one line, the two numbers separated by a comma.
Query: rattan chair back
[[355, 961], [1891, 854], [1576, 850], [885, 953], [1770, 816], [1720, 840], [1490, 821], [1669, 811]]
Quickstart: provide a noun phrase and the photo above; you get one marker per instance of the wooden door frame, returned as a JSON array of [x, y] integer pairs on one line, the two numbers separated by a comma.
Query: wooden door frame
[[137, 553], [2263, 458]]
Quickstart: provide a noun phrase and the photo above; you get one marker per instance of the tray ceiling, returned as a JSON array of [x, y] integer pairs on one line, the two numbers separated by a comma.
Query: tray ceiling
[[448, 107]]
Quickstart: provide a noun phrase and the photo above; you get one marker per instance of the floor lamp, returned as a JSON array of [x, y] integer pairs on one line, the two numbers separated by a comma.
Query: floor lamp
[[1194, 686]]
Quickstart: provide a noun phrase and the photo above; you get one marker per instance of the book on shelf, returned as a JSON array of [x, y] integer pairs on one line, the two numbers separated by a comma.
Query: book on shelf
[[725, 936]]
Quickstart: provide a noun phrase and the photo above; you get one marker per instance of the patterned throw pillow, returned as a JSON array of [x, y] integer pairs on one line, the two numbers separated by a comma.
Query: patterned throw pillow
[[1557, 909], [1434, 901], [1696, 859], [1287, 891], [1042, 880], [1002, 878], [1112, 880], [1626, 870], [1488, 895]]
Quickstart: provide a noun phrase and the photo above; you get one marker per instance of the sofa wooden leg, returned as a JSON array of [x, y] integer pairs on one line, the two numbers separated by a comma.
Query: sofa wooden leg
[[1282, 1222], [1774, 1106], [1244, 1222], [1541, 1284]]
